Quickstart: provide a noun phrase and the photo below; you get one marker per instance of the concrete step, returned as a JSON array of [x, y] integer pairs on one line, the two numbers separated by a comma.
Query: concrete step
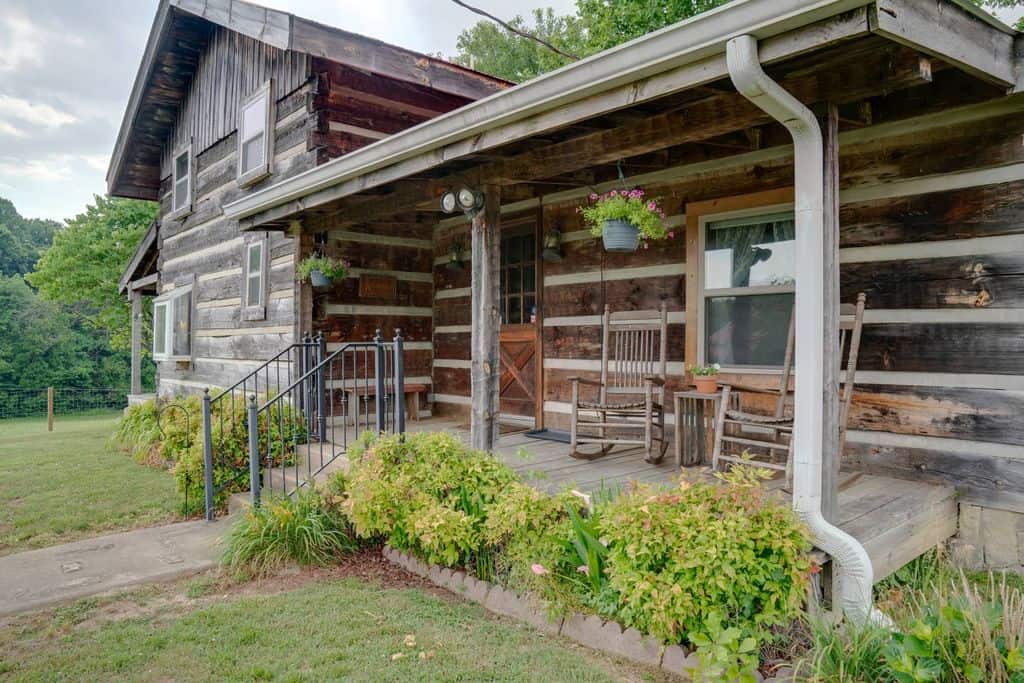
[[290, 477]]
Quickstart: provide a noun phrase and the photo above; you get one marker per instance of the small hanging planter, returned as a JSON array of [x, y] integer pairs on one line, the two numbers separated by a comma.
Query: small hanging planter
[[625, 219], [321, 271]]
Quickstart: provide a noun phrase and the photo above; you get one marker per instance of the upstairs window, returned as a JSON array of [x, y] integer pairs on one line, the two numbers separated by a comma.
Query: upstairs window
[[748, 285], [172, 325], [255, 133], [181, 198], [254, 279]]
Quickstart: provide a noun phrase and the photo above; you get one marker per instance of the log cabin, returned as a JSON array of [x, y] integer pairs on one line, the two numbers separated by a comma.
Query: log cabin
[[919, 140]]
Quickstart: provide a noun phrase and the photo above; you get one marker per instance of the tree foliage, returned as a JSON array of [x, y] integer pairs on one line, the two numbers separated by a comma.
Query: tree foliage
[[597, 25], [22, 240], [82, 268]]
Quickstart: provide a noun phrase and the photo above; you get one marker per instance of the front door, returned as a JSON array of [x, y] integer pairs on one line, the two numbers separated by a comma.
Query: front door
[[518, 304]]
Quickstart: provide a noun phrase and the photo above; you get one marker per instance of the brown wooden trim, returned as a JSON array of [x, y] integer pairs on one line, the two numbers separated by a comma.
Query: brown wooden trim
[[694, 212]]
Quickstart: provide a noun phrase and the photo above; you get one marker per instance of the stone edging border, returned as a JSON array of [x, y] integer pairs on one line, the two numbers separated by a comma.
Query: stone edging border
[[589, 630]]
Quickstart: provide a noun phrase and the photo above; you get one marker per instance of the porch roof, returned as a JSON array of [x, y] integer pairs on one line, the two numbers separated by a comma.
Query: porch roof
[[683, 58]]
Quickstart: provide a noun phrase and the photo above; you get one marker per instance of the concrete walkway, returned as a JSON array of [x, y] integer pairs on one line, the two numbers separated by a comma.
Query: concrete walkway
[[37, 578]]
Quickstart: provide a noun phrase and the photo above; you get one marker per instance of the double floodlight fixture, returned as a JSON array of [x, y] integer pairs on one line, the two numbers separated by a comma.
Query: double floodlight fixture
[[464, 199]]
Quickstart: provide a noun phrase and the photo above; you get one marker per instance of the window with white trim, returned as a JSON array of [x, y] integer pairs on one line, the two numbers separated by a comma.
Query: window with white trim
[[254, 279], [181, 193], [255, 133], [172, 325], [747, 289]]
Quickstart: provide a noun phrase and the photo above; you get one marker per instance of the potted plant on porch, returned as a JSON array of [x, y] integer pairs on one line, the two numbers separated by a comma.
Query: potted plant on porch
[[706, 377], [321, 271], [624, 219]]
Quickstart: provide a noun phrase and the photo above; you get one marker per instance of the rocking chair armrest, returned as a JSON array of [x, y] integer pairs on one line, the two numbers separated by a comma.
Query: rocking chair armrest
[[585, 380], [654, 379], [746, 388]]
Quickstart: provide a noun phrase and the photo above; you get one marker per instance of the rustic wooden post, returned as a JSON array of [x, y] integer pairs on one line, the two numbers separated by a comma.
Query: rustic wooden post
[[486, 243], [831, 457], [49, 409], [136, 297]]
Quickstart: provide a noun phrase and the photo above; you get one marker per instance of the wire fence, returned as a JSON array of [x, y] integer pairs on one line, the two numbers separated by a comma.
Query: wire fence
[[21, 402]]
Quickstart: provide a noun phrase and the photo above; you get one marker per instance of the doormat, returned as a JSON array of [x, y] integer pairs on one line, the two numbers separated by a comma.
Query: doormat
[[548, 435]]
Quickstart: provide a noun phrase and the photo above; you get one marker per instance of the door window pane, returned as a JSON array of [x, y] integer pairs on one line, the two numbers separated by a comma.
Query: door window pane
[[747, 330]]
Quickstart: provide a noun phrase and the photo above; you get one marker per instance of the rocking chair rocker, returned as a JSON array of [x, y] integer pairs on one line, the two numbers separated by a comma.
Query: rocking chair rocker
[[630, 405]]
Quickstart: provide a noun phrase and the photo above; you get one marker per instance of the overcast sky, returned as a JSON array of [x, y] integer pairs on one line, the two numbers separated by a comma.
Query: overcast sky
[[66, 67]]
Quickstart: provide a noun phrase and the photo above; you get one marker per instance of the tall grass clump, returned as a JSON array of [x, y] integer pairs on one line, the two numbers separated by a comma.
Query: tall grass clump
[[306, 528]]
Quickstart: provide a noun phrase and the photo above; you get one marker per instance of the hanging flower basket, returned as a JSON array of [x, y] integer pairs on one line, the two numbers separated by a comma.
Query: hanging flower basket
[[620, 236], [625, 220], [321, 271]]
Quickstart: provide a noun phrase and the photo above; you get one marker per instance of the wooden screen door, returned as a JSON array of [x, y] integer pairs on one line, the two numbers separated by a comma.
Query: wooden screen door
[[519, 388]]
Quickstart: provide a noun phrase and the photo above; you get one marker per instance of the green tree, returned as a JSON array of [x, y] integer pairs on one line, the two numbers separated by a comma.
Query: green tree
[[490, 48], [82, 268], [612, 22], [22, 240]]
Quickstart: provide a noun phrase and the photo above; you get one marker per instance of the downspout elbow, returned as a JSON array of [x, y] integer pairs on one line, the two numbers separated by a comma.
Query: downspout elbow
[[854, 565]]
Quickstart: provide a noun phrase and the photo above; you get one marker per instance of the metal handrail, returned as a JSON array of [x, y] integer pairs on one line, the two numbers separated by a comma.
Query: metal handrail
[[309, 343]]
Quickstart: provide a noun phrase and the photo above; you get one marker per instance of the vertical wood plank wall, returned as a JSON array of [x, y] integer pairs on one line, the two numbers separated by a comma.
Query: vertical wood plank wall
[[206, 245]]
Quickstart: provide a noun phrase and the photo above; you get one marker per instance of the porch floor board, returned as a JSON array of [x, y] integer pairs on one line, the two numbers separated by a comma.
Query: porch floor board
[[896, 519]]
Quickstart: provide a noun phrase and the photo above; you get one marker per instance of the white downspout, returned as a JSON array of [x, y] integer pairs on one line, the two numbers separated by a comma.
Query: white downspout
[[854, 565]]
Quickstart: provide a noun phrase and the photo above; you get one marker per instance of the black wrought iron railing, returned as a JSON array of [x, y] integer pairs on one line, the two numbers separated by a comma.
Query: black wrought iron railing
[[300, 431], [225, 416]]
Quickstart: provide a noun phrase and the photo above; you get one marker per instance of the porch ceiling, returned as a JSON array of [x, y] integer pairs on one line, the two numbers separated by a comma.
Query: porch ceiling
[[872, 79]]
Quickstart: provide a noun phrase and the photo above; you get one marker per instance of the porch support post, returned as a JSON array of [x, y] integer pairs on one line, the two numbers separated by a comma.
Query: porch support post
[[136, 299], [831, 457], [486, 243]]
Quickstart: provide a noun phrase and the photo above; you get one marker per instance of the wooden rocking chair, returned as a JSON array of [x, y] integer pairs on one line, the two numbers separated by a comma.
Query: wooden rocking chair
[[773, 433], [631, 391]]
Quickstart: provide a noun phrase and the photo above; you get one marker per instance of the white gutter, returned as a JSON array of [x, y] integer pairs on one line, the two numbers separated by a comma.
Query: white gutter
[[854, 565], [683, 43]]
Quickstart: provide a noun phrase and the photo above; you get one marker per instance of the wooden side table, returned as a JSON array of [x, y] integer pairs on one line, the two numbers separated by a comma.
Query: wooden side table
[[695, 414]]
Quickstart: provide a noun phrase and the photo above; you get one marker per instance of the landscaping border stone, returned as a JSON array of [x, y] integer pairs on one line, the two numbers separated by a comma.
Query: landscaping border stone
[[586, 629]]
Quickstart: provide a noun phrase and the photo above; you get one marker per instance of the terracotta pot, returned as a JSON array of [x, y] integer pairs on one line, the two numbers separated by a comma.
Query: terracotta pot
[[706, 384], [620, 237]]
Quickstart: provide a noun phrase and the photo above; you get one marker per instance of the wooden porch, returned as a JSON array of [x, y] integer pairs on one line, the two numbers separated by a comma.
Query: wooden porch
[[895, 519]]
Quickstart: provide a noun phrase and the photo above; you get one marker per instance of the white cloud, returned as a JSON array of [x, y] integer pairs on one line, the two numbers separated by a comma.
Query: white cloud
[[51, 169], [20, 43], [98, 162], [10, 130], [33, 113]]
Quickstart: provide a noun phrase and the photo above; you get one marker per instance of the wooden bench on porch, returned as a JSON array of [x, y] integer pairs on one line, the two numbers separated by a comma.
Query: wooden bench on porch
[[368, 392]]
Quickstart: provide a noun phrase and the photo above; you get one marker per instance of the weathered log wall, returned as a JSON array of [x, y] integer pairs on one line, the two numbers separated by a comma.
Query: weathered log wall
[[931, 230]]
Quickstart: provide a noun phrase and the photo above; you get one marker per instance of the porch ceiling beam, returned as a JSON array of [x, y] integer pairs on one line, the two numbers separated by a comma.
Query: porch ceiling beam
[[948, 32], [706, 119]]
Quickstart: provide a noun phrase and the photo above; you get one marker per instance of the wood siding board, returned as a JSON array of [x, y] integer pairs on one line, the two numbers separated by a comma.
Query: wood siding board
[[940, 347]]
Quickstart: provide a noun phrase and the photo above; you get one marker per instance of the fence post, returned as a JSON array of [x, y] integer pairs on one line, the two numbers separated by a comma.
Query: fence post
[[207, 454], [400, 384], [49, 409], [254, 451], [321, 385], [378, 376]]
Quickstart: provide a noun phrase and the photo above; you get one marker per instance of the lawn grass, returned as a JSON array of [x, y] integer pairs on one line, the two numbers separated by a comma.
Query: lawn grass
[[349, 629], [73, 483]]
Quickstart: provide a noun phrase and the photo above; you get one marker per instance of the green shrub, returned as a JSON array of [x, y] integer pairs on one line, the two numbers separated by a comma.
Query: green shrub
[[306, 528], [429, 494], [139, 435], [682, 559]]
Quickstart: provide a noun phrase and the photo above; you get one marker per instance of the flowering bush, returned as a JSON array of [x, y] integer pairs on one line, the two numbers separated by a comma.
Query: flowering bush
[[627, 205]]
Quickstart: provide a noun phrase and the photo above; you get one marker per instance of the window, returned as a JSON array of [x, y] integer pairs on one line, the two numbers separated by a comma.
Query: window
[[181, 199], [255, 128], [254, 280], [749, 267], [172, 325], [518, 279]]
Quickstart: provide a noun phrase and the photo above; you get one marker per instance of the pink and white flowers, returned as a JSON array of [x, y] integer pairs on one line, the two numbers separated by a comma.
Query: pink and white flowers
[[632, 206]]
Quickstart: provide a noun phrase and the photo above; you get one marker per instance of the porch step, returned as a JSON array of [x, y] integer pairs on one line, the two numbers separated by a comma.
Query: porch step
[[308, 461]]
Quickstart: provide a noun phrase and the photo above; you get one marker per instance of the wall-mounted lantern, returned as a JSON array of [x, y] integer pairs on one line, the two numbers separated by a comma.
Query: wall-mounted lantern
[[456, 256], [551, 249]]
